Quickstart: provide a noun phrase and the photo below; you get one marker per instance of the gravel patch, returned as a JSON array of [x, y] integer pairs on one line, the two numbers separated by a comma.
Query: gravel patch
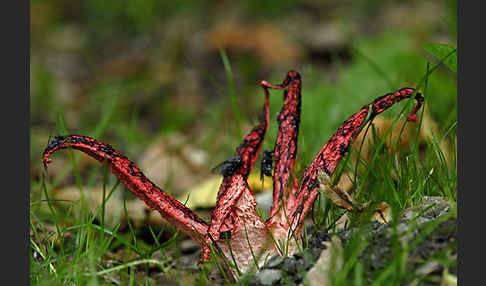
[[291, 270]]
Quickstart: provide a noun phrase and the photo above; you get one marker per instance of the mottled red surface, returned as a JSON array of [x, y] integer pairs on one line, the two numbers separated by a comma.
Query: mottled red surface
[[334, 150], [223, 217], [235, 214], [285, 150], [130, 175]]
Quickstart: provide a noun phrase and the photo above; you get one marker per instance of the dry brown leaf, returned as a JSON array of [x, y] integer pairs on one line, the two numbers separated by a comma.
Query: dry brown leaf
[[428, 129], [342, 199], [122, 66], [204, 194], [45, 13], [267, 41], [343, 222], [382, 213], [346, 182], [335, 194], [173, 164]]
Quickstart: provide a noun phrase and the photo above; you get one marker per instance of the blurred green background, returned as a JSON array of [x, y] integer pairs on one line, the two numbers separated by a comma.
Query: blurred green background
[[128, 72]]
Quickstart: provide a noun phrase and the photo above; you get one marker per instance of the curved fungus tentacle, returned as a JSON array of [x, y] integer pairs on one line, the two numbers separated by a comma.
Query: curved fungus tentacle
[[236, 229], [285, 150], [183, 218], [339, 144], [225, 217]]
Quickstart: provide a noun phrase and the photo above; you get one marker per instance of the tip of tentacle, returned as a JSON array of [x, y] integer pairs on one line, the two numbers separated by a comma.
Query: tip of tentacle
[[293, 74], [48, 150], [46, 160], [265, 85], [412, 117]]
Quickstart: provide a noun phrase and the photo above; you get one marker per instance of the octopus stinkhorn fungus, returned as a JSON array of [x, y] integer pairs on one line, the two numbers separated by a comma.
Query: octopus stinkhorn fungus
[[235, 229]]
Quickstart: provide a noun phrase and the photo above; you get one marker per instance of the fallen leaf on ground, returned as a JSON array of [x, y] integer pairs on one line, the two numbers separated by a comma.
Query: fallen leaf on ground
[[405, 137], [382, 213], [204, 194], [342, 199], [173, 164], [266, 40], [337, 196]]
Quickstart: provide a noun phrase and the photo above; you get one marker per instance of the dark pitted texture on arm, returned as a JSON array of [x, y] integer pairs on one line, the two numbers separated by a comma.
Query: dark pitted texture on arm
[[285, 150], [335, 149], [131, 176], [235, 217], [234, 184]]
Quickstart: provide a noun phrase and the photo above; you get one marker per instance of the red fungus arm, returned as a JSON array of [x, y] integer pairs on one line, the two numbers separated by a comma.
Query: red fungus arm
[[130, 175], [235, 184], [334, 150], [285, 150], [251, 145]]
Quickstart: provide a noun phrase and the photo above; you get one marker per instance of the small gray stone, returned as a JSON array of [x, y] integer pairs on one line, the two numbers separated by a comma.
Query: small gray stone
[[264, 200], [289, 265], [274, 261], [269, 277]]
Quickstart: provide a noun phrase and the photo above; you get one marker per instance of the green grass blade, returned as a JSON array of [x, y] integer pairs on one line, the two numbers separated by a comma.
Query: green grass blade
[[130, 264], [232, 92], [440, 51]]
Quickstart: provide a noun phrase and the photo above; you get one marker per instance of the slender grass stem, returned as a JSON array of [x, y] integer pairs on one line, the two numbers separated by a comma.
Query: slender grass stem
[[232, 92]]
